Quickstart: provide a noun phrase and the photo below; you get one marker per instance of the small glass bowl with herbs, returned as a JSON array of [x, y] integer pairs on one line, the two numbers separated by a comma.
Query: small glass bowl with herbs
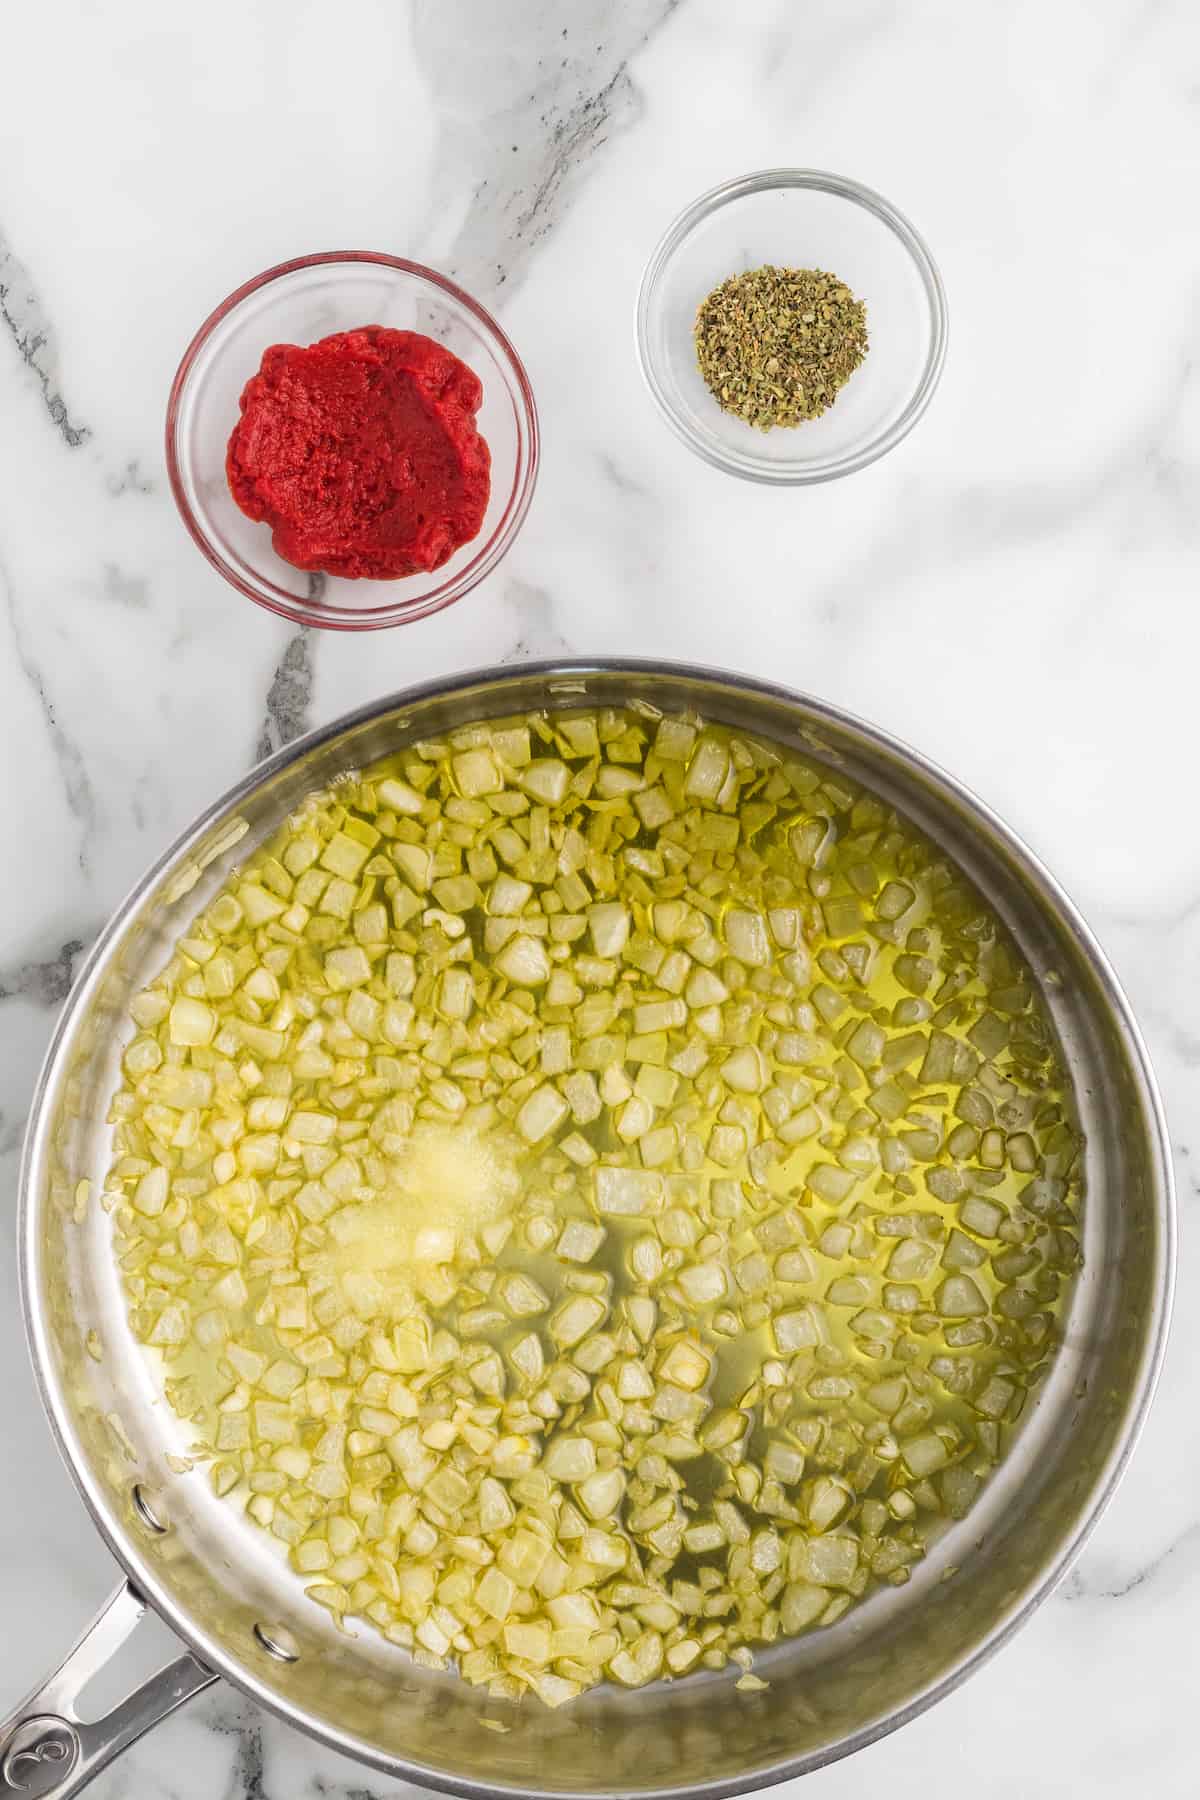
[[791, 326]]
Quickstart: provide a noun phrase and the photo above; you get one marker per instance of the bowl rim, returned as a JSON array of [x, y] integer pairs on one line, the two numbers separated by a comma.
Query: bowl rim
[[841, 187], [326, 617]]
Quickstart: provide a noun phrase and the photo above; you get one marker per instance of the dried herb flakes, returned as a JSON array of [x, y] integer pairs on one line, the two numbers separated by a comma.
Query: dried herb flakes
[[776, 346]]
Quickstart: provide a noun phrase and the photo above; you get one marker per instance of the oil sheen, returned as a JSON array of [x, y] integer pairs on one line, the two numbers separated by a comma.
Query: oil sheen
[[599, 1189]]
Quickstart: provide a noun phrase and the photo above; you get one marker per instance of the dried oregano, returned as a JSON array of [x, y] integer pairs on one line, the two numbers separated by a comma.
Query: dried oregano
[[776, 346]]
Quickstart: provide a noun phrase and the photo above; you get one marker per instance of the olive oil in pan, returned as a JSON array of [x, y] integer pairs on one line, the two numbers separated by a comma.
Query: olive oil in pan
[[599, 1187]]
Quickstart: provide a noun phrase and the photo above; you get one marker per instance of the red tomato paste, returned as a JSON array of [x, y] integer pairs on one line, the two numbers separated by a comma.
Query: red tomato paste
[[361, 453]]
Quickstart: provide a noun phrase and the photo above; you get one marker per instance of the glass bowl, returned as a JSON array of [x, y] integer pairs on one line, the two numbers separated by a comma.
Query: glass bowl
[[297, 303], [796, 218]]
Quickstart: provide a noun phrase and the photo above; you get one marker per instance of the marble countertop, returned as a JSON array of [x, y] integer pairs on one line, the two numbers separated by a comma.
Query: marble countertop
[[1013, 590]]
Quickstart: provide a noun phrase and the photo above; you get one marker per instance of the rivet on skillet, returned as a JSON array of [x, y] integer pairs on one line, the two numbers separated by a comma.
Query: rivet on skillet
[[277, 1642], [149, 1509]]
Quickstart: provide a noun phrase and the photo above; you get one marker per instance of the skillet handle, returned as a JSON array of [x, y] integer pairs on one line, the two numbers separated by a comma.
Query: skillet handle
[[47, 1752]]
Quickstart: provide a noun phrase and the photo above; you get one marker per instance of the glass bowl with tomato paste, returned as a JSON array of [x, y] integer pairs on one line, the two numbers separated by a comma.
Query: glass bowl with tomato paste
[[230, 397]]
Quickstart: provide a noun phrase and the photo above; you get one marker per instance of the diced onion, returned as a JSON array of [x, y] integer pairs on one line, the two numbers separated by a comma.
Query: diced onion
[[596, 1187]]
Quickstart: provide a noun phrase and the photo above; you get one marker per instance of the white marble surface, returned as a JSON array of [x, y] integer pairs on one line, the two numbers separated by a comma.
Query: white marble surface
[[1014, 589]]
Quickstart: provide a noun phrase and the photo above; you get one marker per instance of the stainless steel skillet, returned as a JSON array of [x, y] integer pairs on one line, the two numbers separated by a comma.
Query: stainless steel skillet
[[216, 1579]]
